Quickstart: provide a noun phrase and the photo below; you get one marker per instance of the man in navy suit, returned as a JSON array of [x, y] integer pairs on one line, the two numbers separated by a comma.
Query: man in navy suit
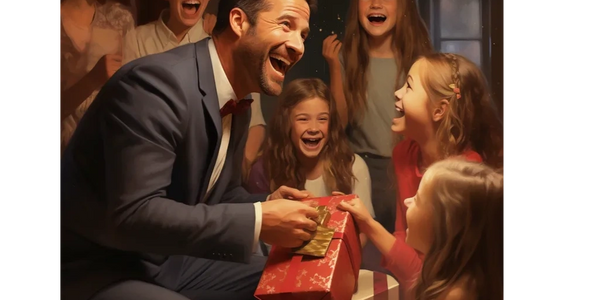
[[152, 204]]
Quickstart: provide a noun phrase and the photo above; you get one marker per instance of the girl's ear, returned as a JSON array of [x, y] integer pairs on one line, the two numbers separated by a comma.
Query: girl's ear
[[440, 110]]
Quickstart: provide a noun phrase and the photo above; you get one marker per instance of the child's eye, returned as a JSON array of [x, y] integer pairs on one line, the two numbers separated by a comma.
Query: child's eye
[[302, 119], [408, 86], [324, 119]]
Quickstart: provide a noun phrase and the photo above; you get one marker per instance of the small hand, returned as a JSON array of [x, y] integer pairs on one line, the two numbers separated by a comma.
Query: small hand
[[331, 49], [359, 212]]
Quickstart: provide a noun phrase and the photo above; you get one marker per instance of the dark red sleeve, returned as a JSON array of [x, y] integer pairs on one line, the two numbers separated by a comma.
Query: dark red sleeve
[[257, 182], [402, 260]]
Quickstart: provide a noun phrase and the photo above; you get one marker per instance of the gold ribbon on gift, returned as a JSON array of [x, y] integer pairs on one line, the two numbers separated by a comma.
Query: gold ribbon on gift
[[321, 239]]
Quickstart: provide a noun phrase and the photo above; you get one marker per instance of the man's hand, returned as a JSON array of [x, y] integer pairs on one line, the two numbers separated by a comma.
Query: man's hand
[[284, 192], [287, 223]]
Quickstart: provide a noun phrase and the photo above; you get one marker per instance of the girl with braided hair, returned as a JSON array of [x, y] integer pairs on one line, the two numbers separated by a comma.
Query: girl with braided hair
[[444, 110]]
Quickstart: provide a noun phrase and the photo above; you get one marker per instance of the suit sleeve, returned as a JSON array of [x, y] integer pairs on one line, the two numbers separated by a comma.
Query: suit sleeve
[[141, 126]]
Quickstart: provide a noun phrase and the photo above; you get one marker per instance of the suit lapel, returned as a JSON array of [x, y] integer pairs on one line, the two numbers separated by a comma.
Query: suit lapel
[[239, 127], [210, 100]]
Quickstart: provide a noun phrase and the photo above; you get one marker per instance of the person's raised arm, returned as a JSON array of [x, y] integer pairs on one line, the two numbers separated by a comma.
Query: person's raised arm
[[331, 51], [142, 123]]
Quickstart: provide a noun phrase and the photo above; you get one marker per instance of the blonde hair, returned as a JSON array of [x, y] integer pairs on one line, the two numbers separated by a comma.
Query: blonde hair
[[471, 120], [467, 201]]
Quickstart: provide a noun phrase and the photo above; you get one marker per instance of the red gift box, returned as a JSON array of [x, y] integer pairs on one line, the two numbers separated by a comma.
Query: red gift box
[[290, 276]]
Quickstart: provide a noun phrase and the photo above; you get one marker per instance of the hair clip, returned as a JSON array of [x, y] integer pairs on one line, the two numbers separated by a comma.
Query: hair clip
[[455, 90]]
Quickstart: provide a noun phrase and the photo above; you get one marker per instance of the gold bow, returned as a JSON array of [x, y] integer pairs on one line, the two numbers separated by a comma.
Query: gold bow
[[321, 239]]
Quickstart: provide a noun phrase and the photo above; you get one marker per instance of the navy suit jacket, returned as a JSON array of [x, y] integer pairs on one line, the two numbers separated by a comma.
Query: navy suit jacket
[[136, 171]]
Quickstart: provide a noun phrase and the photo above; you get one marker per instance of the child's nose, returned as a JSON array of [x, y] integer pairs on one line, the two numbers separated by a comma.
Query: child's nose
[[313, 130], [409, 201], [399, 94]]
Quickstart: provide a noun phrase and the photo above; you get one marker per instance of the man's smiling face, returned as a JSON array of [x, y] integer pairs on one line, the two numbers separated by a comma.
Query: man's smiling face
[[276, 42]]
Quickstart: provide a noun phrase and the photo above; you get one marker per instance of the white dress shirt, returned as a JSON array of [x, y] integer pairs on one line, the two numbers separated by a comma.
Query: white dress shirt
[[225, 93]]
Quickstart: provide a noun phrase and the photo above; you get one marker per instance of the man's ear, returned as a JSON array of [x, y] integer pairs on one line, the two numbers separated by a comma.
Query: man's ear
[[441, 110], [238, 21]]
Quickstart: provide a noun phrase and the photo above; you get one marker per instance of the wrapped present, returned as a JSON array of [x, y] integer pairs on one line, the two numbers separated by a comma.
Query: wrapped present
[[376, 286], [325, 268]]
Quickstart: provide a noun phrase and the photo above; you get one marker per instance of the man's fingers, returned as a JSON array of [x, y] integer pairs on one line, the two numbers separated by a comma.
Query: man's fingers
[[303, 235], [292, 193], [311, 203], [311, 212], [309, 194], [309, 225]]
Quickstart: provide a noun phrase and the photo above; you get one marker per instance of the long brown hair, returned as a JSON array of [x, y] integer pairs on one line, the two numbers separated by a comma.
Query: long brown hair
[[279, 157], [410, 40], [467, 201], [471, 119]]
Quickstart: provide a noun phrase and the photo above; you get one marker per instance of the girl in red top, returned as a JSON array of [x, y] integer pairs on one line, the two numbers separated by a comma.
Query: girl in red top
[[456, 218], [444, 109]]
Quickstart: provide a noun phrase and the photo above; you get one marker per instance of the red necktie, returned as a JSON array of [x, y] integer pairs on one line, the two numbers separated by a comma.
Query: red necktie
[[233, 107]]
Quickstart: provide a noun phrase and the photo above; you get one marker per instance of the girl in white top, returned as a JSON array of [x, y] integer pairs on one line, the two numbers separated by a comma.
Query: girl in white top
[[307, 148]]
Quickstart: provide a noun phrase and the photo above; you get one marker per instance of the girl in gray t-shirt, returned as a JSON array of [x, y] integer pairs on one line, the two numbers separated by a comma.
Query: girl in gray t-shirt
[[381, 41]]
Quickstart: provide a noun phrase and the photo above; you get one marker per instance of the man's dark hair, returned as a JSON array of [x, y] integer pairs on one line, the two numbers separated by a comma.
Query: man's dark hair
[[250, 7]]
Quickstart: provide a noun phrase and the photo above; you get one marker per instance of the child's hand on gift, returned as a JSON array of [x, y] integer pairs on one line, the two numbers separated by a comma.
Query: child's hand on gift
[[359, 211]]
